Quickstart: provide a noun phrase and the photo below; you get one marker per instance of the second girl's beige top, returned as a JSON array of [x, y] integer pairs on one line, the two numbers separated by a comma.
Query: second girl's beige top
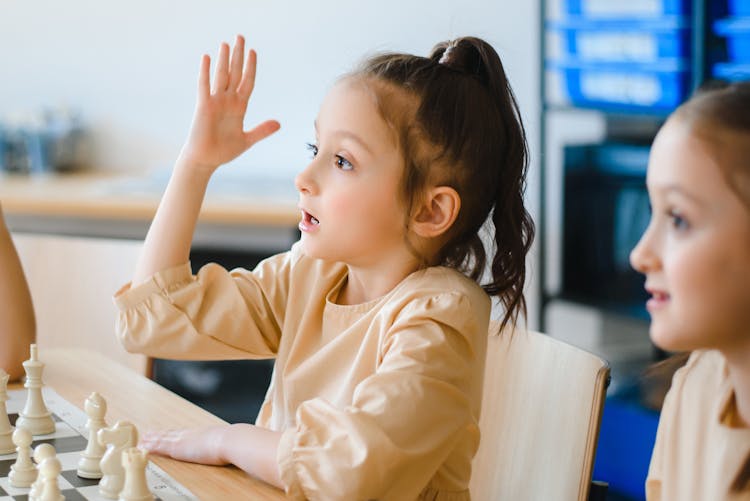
[[699, 445], [378, 400]]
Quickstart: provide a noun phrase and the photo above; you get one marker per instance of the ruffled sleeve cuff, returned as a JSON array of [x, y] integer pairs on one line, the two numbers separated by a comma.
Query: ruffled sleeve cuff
[[160, 283], [284, 456]]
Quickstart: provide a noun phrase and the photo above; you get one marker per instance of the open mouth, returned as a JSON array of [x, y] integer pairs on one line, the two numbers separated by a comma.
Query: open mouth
[[309, 218], [658, 299]]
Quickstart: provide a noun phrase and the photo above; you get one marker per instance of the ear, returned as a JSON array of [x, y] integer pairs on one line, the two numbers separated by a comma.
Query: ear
[[437, 213]]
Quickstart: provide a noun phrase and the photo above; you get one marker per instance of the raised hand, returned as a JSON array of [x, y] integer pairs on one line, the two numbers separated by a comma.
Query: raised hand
[[216, 134]]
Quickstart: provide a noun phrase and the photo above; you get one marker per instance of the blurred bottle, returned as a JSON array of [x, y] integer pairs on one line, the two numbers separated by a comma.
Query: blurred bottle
[[50, 141]]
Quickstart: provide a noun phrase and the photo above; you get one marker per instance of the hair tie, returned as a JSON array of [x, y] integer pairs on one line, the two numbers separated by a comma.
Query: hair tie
[[446, 55]]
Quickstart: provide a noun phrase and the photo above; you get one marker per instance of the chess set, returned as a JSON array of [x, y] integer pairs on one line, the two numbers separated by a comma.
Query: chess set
[[77, 456]]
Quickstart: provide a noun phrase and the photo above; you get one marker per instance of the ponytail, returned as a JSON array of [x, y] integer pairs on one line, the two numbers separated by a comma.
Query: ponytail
[[514, 228]]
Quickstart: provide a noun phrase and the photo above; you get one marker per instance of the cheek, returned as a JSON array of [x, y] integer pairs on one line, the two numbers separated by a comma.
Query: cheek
[[375, 206], [710, 284]]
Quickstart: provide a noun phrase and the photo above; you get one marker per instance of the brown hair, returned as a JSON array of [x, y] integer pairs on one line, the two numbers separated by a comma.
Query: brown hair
[[720, 114], [458, 124]]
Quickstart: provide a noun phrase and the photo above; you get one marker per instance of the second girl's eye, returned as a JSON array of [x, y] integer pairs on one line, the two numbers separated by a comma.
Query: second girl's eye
[[678, 221], [343, 164], [313, 149]]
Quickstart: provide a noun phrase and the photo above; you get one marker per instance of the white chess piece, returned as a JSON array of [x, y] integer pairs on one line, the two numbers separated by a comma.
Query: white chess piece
[[134, 461], [88, 465], [22, 472], [35, 417], [6, 430], [50, 470], [119, 437], [41, 452]]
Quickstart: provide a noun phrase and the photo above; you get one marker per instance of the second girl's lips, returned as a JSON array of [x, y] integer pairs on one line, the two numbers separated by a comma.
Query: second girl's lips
[[659, 298]]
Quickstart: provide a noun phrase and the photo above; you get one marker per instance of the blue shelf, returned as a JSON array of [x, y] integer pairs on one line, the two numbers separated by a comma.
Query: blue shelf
[[626, 440]]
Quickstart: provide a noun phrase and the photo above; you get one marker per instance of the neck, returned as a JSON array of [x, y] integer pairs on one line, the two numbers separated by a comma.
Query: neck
[[367, 283], [739, 375]]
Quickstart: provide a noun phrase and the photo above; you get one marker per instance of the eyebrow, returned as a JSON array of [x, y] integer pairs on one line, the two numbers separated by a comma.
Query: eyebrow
[[677, 189], [349, 135]]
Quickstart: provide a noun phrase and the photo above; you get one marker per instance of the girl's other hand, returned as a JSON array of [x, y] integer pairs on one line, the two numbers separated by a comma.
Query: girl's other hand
[[216, 134], [198, 445]]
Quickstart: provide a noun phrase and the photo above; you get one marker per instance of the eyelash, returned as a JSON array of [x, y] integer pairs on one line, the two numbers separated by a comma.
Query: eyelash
[[679, 222], [341, 162]]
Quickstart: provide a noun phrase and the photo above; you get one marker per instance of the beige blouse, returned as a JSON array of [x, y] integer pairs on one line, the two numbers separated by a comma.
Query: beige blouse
[[698, 450], [378, 400]]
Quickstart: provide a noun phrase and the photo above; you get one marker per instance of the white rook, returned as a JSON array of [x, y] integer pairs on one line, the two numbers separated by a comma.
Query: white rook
[[134, 461]]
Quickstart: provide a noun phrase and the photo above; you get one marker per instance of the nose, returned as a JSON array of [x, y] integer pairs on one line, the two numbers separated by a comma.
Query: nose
[[305, 181], [643, 257]]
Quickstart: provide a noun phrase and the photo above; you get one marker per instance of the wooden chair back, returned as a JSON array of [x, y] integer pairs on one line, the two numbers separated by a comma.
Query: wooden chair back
[[541, 409], [72, 280]]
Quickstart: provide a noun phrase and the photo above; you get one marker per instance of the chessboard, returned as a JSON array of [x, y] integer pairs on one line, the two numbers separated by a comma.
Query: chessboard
[[69, 439]]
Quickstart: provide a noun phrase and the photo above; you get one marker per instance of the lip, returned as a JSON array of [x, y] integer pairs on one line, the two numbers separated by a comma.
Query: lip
[[306, 225], [659, 299]]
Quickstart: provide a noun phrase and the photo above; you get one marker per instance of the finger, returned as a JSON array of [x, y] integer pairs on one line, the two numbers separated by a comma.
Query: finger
[[235, 69], [261, 132], [248, 76], [152, 442], [221, 76], [204, 84]]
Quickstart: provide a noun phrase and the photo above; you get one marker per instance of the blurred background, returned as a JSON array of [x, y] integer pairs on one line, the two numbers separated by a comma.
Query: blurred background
[[97, 97]]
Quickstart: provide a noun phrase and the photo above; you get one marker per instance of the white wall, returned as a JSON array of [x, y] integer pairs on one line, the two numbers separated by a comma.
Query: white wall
[[130, 67]]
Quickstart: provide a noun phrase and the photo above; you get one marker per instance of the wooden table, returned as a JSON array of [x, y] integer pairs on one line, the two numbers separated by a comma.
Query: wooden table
[[75, 373]]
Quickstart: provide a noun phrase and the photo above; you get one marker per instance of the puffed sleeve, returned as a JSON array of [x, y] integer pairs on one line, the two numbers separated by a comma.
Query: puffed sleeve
[[215, 314], [403, 421], [664, 442], [654, 477]]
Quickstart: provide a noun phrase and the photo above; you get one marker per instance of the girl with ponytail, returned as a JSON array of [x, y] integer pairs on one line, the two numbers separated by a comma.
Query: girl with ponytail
[[378, 317], [695, 254]]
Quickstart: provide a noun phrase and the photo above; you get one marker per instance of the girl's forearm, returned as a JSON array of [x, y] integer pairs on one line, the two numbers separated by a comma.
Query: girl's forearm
[[169, 238], [17, 322], [252, 449]]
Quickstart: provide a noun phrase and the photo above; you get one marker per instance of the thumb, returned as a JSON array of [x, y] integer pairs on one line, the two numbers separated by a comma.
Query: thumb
[[260, 132]]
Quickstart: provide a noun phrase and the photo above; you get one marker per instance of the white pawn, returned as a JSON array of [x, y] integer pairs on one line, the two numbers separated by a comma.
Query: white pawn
[[49, 470], [117, 438], [22, 472], [41, 452], [134, 461], [6, 430], [88, 465], [35, 416]]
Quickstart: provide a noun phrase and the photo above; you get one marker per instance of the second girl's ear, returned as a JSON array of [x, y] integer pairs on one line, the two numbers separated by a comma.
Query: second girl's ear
[[437, 213]]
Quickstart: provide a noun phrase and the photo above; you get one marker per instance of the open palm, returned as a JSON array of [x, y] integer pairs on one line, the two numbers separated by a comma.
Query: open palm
[[217, 135]]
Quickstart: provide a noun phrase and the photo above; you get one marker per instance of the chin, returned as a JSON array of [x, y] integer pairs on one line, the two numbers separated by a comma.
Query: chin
[[313, 251], [673, 339]]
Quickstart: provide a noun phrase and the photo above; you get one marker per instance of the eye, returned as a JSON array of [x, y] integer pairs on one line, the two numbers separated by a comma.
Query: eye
[[313, 149], [679, 223], [343, 164]]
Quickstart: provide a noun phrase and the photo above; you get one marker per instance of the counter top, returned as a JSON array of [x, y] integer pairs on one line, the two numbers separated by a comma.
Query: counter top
[[237, 212], [117, 196]]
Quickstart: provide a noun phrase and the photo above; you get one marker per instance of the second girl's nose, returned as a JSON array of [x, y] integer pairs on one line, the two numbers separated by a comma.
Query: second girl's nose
[[643, 258]]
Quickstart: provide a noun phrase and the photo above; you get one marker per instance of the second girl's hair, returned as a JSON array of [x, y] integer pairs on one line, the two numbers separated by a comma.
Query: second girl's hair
[[457, 124], [720, 115]]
